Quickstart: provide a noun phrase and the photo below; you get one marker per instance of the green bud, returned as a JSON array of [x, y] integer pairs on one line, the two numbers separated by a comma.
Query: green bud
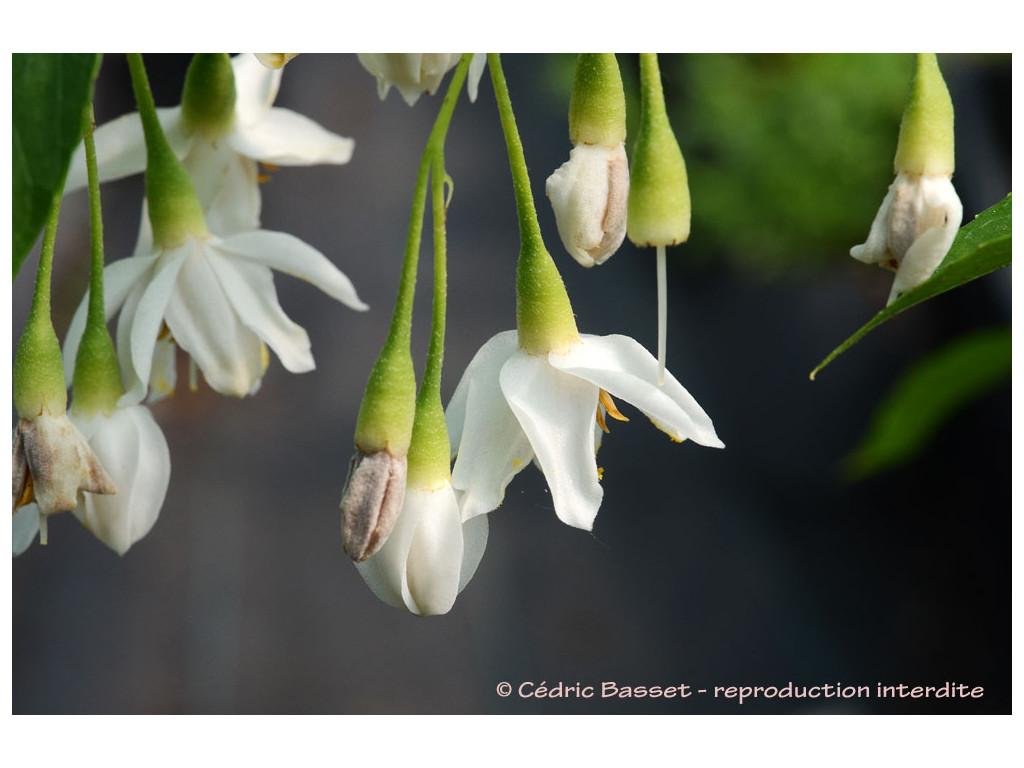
[[208, 99], [543, 313], [926, 134], [389, 404], [659, 194], [597, 108]]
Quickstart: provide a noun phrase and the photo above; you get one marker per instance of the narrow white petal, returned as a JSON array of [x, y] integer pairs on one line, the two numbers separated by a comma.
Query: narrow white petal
[[250, 289], [476, 71], [474, 542], [557, 412], [288, 254], [927, 252], [204, 323], [625, 369], [486, 362], [435, 554], [875, 249], [141, 321], [237, 203], [121, 148], [255, 86], [283, 137], [134, 452], [118, 281], [492, 447], [385, 571]]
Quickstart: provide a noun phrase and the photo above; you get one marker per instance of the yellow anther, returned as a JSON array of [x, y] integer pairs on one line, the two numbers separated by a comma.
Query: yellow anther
[[609, 405]]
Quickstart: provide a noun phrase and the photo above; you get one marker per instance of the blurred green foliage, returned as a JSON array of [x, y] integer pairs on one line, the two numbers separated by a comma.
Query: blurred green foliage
[[789, 155]]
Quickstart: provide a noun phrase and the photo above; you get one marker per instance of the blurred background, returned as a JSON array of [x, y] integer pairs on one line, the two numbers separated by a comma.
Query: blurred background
[[757, 565]]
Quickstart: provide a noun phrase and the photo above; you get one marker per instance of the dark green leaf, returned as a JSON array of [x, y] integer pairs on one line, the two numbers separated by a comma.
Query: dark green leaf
[[48, 95], [981, 246], [928, 394]]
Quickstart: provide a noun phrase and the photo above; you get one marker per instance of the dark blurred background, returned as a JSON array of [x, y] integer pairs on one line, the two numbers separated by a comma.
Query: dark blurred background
[[757, 565]]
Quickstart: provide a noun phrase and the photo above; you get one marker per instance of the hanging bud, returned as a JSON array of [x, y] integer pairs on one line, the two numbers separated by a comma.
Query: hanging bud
[[921, 213], [589, 192], [659, 200]]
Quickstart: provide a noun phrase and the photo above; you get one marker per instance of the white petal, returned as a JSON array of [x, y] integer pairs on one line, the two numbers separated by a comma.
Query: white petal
[[25, 528], [121, 148], [256, 88], [134, 451], [118, 281], [927, 252], [876, 249], [474, 541], [204, 323], [385, 571], [163, 376], [491, 356], [476, 71], [492, 447], [250, 289], [236, 205], [625, 369], [283, 137], [288, 254], [435, 554], [557, 412], [141, 320]]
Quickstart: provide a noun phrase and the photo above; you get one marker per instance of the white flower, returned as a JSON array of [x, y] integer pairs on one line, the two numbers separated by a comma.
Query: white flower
[[274, 60], [511, 407], [217, 300], [414, 74], [224, 171], [588, 194], [430, 555], [134, 453], [913, 229]]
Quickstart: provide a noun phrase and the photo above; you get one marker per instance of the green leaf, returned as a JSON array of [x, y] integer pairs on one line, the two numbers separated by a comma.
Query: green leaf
[[48, 96], [981, 246], [929, 393]]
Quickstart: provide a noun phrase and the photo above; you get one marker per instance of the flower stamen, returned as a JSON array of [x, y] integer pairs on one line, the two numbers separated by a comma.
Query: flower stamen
[[606, 404]]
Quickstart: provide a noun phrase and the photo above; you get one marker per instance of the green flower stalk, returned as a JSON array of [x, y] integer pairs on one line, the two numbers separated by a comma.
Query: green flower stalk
[[544, 315], [97, 378], [375, 487], [659, 198]]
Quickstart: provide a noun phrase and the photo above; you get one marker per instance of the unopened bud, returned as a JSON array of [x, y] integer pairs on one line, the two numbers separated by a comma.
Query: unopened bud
[[589, 194], [373, 496]]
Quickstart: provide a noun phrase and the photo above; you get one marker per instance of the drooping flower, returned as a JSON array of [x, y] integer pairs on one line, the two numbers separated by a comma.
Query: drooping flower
[[221, 151], [921, 213], [588, 194], [430, 555], [512, 407], [414, 74], [216, 298], [134, 453]]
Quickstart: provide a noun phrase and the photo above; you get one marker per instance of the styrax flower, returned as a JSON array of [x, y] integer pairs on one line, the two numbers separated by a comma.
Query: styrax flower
[[414, 74], [430, 555], [512, 407], [588, 194], [134, 453], [913, 229], [221, 162], [216, 298]]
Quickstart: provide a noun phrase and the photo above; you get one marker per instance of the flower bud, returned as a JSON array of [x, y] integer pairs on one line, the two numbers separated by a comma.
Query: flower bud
[[371, 501], [588, 194], [411, 73]]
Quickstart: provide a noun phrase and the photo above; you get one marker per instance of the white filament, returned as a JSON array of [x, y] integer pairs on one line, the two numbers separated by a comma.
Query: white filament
[[662, 314]]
